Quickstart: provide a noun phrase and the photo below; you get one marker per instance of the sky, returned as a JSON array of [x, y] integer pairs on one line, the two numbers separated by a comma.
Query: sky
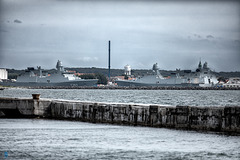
[[174, 34]]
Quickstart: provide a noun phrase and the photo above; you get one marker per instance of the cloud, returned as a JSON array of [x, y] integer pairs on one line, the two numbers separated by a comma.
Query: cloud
[[88, 59], [142, 33], [237, 42], [197, 35], [3, 30], [209, 36], [17, 21], [200, 37]]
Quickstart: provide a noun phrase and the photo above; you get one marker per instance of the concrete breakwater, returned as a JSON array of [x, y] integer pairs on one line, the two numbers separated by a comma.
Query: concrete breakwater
[[219, 119]]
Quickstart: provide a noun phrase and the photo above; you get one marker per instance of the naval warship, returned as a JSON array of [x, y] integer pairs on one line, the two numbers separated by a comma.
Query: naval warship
[[60, 78], [202, 77]]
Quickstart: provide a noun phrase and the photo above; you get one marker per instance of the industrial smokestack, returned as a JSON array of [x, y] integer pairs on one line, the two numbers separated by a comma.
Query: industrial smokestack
[[109, 51]]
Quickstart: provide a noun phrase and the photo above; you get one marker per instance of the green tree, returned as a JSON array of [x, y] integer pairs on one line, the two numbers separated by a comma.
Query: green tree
[[223, 79], [87, 76], [13, 75], [102, 79]]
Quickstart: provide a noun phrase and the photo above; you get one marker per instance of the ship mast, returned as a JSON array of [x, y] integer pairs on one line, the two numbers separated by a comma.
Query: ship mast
[[109, 51]]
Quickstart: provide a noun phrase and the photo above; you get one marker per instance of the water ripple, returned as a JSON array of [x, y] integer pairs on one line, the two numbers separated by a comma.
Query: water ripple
[[170, 97], [53, 139]]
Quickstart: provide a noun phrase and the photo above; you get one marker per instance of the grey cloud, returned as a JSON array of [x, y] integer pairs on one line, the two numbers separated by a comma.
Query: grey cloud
[[197, 35], [175, 35], [17, 21], [88, 59], [237, 42], [3, 30], [209, 36]]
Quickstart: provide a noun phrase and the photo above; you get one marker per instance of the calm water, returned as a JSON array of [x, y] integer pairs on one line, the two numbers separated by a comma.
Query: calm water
[[52, 139], [169, 97]]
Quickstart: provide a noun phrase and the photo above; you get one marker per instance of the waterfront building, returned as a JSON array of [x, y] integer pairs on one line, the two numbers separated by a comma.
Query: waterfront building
[[233, 82], [127, 70], [3, 74]]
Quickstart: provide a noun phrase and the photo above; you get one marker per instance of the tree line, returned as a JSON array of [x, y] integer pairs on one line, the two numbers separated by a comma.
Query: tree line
[[101, 77]]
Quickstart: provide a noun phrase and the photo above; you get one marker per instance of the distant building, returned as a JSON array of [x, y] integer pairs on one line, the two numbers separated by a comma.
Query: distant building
[[233, 82], [3, 74], [127, 70]]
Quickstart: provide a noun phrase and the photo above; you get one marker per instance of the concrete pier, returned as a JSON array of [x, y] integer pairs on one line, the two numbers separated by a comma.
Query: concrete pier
[[207, 118]]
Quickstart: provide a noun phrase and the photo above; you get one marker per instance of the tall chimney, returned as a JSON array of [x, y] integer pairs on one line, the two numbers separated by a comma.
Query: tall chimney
[[109, 51]]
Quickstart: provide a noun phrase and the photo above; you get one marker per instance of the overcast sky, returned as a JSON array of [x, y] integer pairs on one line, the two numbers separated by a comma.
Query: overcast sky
[[174, 34]]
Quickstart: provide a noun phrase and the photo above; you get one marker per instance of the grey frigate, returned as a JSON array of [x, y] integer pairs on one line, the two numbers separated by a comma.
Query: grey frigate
[[60, 78], [202, 77]]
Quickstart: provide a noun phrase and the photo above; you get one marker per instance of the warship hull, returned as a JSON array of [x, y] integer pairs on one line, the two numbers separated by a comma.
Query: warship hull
[[133, 84], [89, 82]]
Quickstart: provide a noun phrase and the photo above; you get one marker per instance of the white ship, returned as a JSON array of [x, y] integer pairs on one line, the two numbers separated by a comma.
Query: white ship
[[202, 77], [60, 78]]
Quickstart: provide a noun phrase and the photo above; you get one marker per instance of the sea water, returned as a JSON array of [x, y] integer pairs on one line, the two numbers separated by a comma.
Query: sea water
[[167, 97], [53, 139]]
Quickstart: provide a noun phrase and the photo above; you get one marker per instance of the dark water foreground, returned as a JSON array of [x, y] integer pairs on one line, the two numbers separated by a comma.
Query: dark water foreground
[[54, 139]]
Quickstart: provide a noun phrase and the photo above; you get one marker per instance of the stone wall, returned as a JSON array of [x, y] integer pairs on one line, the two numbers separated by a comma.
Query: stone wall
[[14, 107], [219, 119]]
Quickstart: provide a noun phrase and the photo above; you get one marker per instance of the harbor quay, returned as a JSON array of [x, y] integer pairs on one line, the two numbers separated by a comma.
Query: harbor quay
[[225, 119]]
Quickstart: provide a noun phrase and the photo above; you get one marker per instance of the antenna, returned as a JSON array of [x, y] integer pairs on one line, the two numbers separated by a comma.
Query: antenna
[[109, 51]]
